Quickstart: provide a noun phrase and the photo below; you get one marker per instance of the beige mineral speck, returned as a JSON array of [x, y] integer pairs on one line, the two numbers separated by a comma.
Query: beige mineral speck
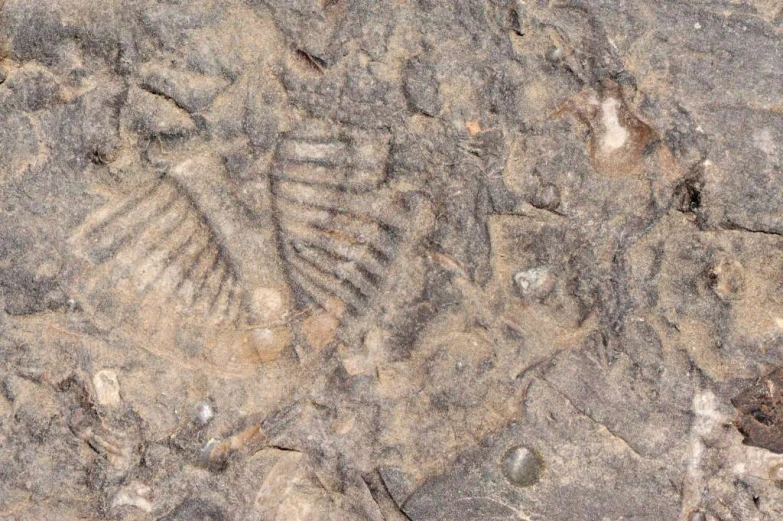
[[269, 343], [728, 279], [320, 329], [361, 361], [216, 451], [269, 302], [135, 494], [615, 135], [107, 388], [375, 342], [473, 127]]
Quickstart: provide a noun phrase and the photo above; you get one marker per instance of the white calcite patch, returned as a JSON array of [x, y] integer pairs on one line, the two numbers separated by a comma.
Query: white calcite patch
[[135, 494], [743, 462], [535, 282], [204, 413], [107, 387], [707, 418], [755, 462], [706, 406], [615, 135]]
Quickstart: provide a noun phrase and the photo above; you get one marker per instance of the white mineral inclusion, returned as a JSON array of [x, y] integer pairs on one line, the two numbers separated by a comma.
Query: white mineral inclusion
[[530, 279], [137, 495], [706, 406], [535, 282], [107, 387], [615, 135], [204, 413]]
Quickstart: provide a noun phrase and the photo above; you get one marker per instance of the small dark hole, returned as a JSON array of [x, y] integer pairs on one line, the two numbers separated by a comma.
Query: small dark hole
[[97, 158], [761, 417], [688, 195], [695, 199]]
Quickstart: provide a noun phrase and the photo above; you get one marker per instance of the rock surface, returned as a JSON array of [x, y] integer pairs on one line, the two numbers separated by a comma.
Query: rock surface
[[400, 260]]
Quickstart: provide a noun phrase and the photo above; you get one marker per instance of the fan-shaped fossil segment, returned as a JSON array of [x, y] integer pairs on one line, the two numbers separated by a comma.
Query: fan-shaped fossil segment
[[192, 266], [180, 266]]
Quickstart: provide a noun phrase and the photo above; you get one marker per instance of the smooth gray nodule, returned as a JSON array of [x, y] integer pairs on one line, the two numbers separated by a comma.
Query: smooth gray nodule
[[521, 466]]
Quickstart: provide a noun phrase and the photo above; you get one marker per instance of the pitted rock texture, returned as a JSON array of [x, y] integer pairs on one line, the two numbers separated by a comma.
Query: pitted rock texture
[[398, 260]]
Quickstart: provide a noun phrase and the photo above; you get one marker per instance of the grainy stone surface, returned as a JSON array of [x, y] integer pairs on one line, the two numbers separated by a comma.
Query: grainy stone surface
[[397, 260]]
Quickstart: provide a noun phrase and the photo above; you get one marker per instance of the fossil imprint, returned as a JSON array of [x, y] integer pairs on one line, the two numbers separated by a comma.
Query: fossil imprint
[[199, 274], [202, 265]]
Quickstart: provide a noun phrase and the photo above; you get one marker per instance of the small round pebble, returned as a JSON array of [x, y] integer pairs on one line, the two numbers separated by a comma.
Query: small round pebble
[[521, 466]]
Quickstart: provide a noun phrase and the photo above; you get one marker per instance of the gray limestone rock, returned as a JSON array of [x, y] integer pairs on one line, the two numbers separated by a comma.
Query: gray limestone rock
[[398, 260]]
